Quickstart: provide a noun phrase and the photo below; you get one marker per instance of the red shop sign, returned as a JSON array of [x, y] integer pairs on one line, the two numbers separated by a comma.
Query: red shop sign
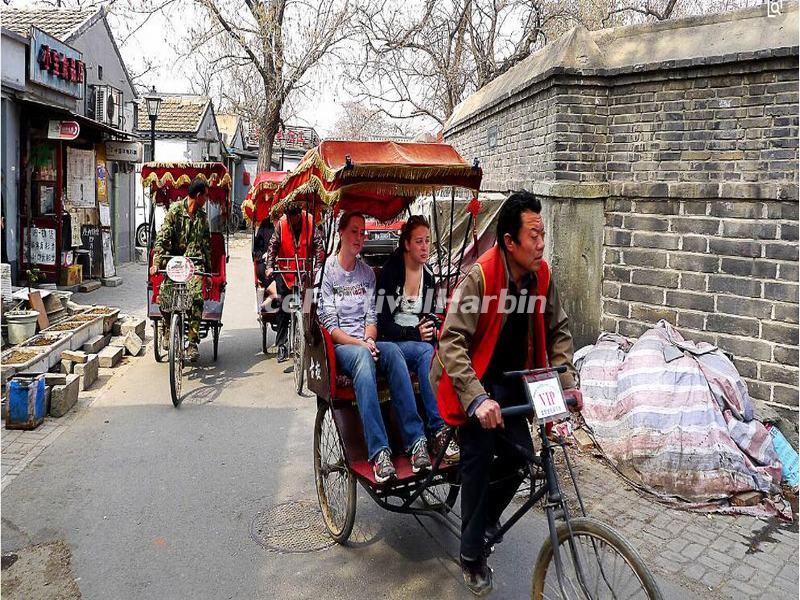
[[63, 130]]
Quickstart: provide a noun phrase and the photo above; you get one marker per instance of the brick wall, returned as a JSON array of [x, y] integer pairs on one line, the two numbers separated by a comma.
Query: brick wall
[[722, 271]]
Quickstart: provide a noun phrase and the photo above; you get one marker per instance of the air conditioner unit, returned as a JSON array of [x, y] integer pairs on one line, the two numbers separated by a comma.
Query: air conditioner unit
[[108, 105]]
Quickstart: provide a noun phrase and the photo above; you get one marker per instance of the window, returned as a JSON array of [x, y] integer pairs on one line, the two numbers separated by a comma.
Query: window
[[100, 72]]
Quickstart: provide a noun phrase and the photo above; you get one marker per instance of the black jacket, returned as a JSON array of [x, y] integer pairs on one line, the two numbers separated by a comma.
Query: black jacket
[[390, 286]]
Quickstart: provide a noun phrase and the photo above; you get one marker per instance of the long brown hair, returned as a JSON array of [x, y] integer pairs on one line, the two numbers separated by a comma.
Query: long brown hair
[[344, 221], [409, 226]]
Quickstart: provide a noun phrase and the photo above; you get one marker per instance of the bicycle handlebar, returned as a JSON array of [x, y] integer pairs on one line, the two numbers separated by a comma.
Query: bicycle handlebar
[[527, 409]]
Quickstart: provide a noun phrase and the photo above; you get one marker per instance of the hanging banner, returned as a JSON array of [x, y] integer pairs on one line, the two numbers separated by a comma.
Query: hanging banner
[[80, 178], [109, 270], [101, 173]]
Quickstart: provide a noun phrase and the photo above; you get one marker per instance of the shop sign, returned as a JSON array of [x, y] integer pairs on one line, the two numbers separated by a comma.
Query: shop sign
[[63, 130], [42, 245], [124, 151], [55, 65]]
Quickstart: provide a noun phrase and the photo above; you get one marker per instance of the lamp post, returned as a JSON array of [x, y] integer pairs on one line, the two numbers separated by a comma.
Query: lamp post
[[153, 103]]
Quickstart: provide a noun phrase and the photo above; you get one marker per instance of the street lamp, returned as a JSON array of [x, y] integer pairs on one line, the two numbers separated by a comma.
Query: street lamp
[[153, 103]]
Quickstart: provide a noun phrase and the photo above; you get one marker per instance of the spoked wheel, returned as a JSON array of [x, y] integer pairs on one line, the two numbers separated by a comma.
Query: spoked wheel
[[611, 567], [158, 340], [263, 335], [336, 485], [215, 334], [142, 234], [176, 358], [298, 351]]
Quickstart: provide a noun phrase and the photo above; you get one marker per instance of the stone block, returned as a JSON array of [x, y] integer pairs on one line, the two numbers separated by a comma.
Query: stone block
[[133, 343], [117, 340], [133, 325], [64, 397], [88, 371], [66, 367], [110, 356], [111, 281], [90, 285], [97, 343], [76, 356], [52, 379]]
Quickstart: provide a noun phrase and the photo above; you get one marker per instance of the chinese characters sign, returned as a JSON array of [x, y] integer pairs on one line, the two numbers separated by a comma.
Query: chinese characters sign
[[53, 64], [80, 178], [63, 130], [43, 245]]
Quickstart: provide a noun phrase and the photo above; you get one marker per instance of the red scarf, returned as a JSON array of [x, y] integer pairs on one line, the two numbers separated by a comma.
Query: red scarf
[[487, 332]]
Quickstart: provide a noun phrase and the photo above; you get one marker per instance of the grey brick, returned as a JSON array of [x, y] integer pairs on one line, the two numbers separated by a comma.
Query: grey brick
[[693, 262], [701, 302], [748, 307], [632, 329], [787, 313], [787, 395], [614, 273], [694, 243], [734, 285], [693, 281], [746, 348], [788, 271], [642, 223], [614, 307], [610, 289], [614, 220], [745, 367], [772, 373], [654, 277], [734, 248], [617, 237], [781, 251], [691, 320], [637, 293], [785, 356], [743, 228], [745, 267], [696, 225], [789, 232], [649, 314], [779, 333], [644, 258], [733, 325], [662, 207], [786, 292], [740, 210], [656, 240], [608, 324]]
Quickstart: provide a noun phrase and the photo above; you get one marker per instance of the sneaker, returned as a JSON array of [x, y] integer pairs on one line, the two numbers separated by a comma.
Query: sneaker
[[419, 456], [477, 575], [192, 352], [283, 354], [452, 453], [382, 466]]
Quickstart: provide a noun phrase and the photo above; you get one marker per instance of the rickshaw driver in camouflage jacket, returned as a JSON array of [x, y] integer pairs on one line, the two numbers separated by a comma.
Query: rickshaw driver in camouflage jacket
[[185, 232]]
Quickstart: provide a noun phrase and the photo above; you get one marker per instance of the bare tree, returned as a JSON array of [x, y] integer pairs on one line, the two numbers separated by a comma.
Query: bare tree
[[360, 122], [275, 44]]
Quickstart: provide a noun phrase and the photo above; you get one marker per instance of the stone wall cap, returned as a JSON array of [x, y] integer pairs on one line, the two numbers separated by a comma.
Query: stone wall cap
[[748, 34], [728, 190]]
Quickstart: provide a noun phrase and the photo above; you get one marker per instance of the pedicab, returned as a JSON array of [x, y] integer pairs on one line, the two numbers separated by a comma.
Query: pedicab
[[581, 557], [168, 183], [255, 210]]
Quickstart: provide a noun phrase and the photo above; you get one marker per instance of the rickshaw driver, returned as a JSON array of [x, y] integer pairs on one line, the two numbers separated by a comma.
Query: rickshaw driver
[[185, 232], [290, 240], [475, 349]]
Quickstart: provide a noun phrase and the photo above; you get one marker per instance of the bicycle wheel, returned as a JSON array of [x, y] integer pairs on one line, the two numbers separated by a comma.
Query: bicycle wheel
[[158, 350], [611, 567], [336, 485], [176, 358], [142, 235], [263, 336], [298, 352], [215, 337]]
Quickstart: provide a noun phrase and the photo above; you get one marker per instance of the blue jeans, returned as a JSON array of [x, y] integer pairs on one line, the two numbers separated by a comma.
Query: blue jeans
[[357, 362], [418, 357]]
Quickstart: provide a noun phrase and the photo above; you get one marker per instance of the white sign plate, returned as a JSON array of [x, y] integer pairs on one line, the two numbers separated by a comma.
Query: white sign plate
[[548, 401]]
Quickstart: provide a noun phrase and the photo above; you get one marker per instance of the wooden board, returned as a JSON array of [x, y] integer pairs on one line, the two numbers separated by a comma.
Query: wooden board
[[35, 300], [91, 240]]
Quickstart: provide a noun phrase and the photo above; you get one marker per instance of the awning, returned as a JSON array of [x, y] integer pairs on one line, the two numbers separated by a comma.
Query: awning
[[85, 122]]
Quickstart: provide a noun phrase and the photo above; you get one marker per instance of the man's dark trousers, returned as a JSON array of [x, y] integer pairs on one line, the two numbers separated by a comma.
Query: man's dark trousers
[[282, 319], [487, 456]]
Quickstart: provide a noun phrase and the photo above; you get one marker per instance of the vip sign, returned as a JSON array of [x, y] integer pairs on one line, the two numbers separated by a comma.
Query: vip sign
[[63, 130]]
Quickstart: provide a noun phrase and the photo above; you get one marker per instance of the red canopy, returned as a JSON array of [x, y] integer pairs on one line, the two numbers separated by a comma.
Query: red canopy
[[377, 178], [170, 181], [256, 205]]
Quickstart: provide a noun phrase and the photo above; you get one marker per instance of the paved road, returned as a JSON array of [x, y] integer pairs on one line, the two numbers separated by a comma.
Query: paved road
[[156, 502]]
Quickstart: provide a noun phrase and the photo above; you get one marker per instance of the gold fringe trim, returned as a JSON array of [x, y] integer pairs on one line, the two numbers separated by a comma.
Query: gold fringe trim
[[169, 180]]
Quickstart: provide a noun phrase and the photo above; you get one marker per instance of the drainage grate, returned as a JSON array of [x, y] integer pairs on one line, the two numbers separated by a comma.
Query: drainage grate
[[291, 528]]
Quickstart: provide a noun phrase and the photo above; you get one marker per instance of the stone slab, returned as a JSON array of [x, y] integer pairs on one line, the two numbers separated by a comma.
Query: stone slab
[[64, 397], [97, 343], [111, 281], [75, 356], [134, 325], [52, 379], [66, 367], [90, 285], [110, 356], [88, 371], [117, 340], [133, 344]]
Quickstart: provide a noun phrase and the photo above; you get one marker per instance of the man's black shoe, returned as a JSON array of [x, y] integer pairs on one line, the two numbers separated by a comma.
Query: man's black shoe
[[477, 575], [283, 354]]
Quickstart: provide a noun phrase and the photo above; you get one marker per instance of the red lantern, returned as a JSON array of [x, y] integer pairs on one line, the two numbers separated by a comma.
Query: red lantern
[[245, 177]]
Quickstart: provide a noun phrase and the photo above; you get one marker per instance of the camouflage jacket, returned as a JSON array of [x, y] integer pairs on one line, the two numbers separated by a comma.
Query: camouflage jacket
[[181, 234]]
